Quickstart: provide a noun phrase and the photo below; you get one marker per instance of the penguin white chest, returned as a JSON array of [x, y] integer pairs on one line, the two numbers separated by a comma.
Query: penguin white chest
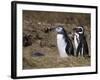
[[61, 44], [76, 40]]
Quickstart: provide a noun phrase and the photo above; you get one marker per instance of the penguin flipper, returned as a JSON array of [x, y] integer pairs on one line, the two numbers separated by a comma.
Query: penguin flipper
[[72, 51], [67, 50], [86, 50], [79, 49]]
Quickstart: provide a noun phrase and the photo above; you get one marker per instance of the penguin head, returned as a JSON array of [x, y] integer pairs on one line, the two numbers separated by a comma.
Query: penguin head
[[59, 30], [79, 30]]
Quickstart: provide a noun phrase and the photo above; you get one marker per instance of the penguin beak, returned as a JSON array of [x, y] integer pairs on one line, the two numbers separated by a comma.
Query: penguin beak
[[53, 29], [74, 29]]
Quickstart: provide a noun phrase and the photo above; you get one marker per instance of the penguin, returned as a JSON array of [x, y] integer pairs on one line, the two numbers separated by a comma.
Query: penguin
[[80, 43], [64, 44]]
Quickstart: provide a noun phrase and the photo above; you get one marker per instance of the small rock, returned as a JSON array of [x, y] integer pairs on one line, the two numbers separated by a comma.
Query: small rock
[[35, 54], [27, 40]]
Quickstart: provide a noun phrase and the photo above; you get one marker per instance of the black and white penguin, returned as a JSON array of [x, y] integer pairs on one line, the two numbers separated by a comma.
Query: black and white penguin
[[64, 44], [80, 43]]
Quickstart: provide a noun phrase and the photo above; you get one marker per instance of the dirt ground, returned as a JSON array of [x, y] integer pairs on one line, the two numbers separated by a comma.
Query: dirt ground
[[42, 41]]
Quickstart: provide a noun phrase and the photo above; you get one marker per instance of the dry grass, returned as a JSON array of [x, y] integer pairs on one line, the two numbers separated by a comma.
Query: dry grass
[[56, 62], [51, 59], [34, 22]]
